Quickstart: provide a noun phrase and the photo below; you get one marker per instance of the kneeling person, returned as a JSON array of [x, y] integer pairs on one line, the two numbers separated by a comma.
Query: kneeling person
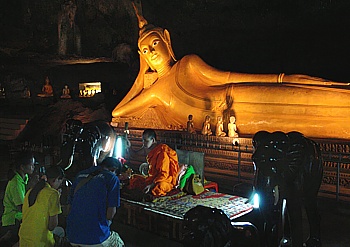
[[41, 208], [93, 202]]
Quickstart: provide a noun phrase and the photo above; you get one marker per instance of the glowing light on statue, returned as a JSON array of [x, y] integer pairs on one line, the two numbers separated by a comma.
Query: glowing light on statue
[[256, 200], [118, 148]]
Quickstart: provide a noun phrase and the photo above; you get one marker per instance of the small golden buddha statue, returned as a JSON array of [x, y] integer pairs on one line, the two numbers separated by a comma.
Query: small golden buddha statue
[[47, 90], [232, 128], [65, 92], [190, 125], [206, 129], [219, 131]]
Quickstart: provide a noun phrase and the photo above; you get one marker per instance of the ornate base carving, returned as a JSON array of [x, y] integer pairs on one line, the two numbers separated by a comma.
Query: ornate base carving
[[151, 118], [228, 164]]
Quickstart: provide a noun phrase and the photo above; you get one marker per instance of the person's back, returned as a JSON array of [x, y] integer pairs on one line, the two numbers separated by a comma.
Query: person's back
[[87, 221], [34, 231]]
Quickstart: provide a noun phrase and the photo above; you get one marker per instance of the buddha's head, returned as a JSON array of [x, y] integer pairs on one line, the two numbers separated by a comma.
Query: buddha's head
[[47, 80], [154, 43]]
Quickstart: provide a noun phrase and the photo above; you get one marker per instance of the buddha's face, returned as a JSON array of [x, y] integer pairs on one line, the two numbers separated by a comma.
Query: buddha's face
[[154, 50]]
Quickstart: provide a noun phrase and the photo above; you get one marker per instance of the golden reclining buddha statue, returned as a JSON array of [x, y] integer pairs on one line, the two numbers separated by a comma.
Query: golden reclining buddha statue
[[166, 91]]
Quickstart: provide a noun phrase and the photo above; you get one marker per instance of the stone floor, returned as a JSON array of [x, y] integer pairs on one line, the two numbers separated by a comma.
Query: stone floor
[[335, 219]]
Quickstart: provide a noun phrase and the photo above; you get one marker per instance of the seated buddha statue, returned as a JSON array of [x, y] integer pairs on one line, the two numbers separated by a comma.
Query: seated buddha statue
[[190, 125], [219, 131], [66, 92], [167, 90], [47, 90]]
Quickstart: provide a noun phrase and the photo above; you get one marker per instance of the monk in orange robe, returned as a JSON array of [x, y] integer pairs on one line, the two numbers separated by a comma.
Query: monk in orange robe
[[163, 167]]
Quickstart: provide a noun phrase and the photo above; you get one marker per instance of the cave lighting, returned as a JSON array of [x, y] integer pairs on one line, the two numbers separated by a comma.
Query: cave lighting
[[89, 89], [118, 149]]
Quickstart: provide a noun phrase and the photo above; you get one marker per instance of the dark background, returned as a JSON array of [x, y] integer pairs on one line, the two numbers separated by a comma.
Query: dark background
[[309, 37]]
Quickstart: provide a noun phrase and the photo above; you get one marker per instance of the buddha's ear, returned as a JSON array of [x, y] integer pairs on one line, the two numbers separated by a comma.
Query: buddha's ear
[[166, 35]]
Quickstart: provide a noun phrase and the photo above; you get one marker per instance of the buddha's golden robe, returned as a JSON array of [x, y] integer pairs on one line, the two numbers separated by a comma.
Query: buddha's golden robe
[[163, 171], [167, 91], [194, 87]]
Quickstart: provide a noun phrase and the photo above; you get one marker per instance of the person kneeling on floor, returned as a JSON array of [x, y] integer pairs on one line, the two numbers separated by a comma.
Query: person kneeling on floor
[[93, 191], [41, 208]]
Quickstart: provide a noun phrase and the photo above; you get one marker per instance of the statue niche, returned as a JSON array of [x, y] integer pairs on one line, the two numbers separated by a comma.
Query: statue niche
[[166, 91]]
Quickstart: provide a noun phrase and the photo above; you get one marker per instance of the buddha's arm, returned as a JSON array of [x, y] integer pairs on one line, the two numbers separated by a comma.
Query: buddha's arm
[[142, 102], [219, 77], [282, 78]]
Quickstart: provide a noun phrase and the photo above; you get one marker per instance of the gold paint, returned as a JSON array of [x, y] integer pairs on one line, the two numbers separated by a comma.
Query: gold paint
[[176, 89]]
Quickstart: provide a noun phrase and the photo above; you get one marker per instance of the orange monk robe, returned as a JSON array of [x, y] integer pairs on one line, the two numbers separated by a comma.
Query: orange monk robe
[[163, 171], [164, 168]]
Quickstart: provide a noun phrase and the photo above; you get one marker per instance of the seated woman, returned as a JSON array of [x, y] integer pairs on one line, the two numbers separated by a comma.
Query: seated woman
[[166, 91]]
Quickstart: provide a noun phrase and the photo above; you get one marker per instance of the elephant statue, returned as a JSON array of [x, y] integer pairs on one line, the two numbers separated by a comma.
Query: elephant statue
[[288, 176]]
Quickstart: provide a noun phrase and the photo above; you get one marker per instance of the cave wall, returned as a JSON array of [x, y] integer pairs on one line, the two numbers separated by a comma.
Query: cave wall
[[254, 36], [32, 25]]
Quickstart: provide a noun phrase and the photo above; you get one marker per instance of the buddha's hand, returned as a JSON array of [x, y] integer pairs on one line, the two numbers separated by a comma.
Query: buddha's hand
[[305, 79], [143, 65]]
